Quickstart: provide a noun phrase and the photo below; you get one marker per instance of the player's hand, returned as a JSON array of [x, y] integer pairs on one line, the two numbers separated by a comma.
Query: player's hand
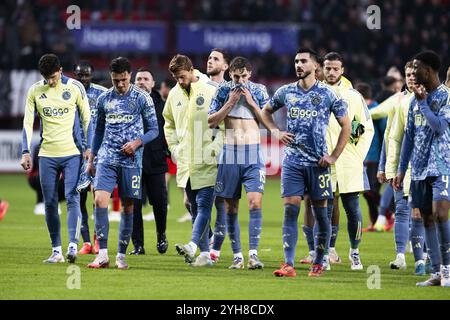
[[90, 168], [420, 92], [327, 161], [26, 161], [234, 96], [397, 183], [247, 95], [284, 136], [130, 147], [87, 154], [381, 176]]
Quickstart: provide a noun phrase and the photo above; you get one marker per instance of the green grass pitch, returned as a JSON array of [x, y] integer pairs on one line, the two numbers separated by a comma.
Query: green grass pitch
[[24, 243]]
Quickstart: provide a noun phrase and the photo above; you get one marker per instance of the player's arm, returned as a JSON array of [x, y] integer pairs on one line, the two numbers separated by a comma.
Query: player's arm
[[383, 109], [27, 131], [381, 174], [256, 106], [339, 109], [395, 143], [406, 150], [150, 122], [269, 123], [85, 117], [169, 127], [217, 143], [438, 123], [344, 135], [221, 106], [274, 104]]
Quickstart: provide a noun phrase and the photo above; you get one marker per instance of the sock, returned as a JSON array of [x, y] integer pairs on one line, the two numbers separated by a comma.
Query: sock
[[401, 223], [234, 232], [103, 252], [201, 229], [334, 228], [417, 238], [334, 234], [254, 228], [308, 232], [73, 216], [290, 232], [444, 239], [315, 231], [238, 255], [252, 253], [431, 238], [53, 223], [193, 246], [204, 254], [57, 249], [220, 228], [73, 245], [323, 233], [354, 218], [102, 227], [381, 219], [125, 230]]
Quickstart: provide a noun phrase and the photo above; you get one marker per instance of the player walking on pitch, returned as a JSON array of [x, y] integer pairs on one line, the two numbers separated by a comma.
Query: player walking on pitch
[[309, 104], [57, 100], [122, 114]]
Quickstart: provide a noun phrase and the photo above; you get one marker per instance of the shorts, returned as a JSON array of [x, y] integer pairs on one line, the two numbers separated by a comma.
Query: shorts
[[295, 180], [128, 180], [424, 192], [240, 165]]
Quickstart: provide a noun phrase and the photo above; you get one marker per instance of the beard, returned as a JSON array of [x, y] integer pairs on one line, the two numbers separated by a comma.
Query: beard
[[213, 72], [333, 81], [304, 74]]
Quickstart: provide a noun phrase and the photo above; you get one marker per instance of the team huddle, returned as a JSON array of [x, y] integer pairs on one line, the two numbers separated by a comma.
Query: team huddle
[[212, 130]]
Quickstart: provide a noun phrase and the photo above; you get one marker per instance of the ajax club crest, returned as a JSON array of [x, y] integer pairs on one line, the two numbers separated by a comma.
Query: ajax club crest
[[66, 95], [200, 101]]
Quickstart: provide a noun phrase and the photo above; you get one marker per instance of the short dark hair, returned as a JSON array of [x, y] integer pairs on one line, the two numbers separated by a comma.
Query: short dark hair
[[180, 63], [49, 64], [226, 55], [144, 69], [320, 60], [313, 54], [239, 63], [333, 56], [365, 89], [83, 64], [120, 65], [429, 58]]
